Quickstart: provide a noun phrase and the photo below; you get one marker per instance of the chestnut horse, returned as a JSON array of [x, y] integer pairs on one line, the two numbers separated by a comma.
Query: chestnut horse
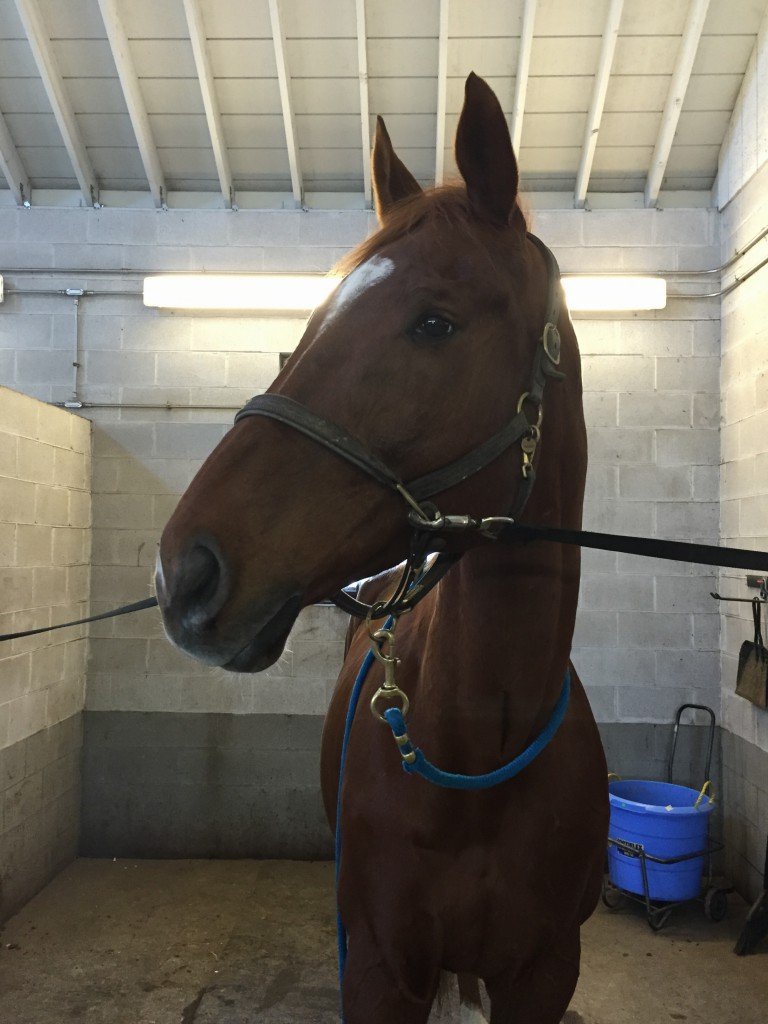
[[422, 353]]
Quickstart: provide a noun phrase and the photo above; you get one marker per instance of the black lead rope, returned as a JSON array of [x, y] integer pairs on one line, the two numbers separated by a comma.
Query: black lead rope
[[644, 547], [136, 606]]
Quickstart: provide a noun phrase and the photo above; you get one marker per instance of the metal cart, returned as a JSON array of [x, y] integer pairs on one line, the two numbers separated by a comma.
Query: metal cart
[[714, 898]]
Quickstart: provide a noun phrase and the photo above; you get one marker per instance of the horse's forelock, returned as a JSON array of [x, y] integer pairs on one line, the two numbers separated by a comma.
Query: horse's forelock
[[446, 202]]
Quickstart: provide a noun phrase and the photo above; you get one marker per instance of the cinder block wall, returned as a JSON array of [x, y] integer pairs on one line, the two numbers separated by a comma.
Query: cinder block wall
[[160, 728], [743, 197], [45, 475]]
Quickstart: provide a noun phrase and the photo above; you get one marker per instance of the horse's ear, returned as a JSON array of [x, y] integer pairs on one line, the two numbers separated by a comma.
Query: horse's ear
[[392, 181], [484, 153]]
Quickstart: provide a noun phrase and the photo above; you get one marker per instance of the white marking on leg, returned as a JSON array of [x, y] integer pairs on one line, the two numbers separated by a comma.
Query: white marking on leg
[[361, 279], [471, 1015]]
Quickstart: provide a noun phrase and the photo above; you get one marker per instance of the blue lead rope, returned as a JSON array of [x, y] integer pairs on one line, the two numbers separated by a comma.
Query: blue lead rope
[[419, 765], [451, 780]]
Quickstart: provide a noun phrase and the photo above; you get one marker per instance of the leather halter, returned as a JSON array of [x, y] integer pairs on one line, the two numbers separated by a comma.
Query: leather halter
[[423, 516]]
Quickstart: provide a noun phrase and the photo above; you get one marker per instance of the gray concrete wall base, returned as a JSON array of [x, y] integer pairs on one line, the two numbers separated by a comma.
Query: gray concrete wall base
[[39, 810]]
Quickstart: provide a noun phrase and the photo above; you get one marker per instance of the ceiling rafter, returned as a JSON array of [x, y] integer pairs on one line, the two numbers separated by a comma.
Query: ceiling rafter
[[212, 113], [694, 24], [40, 44], [137, 111], [365, 114], [289, 122], [521, 78], [13, 168], [442, 84], [597, 103]]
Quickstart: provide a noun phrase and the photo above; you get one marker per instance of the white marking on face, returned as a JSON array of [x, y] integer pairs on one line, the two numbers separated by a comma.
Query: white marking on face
[[471, 1015], [360, 280], [159, 575]]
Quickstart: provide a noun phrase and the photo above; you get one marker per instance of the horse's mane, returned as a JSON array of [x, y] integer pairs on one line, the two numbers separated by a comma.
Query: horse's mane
[[445, 202]]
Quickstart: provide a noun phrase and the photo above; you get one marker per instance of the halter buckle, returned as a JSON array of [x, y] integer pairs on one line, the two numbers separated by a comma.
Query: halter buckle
[[550, 339]]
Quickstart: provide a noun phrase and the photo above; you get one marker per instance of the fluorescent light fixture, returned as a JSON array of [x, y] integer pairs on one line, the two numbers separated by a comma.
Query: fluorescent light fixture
[[300, 293], [266, 293], [614, 294]]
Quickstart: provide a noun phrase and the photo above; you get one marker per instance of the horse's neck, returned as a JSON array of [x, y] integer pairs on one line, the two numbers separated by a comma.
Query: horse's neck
[[503, 619]]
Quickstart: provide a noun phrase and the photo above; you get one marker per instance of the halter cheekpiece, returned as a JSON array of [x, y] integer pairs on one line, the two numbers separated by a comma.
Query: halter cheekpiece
[[423, 516]]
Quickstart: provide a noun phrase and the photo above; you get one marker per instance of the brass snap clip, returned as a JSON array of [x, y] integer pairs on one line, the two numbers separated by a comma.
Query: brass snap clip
[[532, 436], [389, 690]]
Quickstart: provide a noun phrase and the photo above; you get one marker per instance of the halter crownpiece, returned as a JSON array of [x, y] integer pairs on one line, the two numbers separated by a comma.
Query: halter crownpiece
[[423, 516]]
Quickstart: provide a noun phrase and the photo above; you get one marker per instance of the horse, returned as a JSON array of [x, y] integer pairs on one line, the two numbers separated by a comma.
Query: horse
[[422, 352]]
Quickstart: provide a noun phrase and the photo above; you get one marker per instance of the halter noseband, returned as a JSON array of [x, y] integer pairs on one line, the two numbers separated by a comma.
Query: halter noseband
[[422, 515]]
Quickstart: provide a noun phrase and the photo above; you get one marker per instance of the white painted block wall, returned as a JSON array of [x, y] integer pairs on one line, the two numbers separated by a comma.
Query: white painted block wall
[[45, 518], [742, 191], [647, 635]]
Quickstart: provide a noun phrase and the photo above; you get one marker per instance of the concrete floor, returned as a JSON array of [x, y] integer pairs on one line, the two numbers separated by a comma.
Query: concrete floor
[[240, 942]]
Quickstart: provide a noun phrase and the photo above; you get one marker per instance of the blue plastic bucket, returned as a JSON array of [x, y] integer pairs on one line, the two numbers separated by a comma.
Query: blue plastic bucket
[[663, 820]]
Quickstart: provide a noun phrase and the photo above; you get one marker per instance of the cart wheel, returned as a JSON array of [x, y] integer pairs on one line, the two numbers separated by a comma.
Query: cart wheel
[[612, 897], [658, 918], [715, 904]]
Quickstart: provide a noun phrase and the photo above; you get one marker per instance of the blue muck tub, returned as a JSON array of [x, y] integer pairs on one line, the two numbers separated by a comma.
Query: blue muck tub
[[667, 822]]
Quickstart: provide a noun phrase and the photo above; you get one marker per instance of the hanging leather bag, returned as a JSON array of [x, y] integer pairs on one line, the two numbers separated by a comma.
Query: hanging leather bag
[[752, 673]]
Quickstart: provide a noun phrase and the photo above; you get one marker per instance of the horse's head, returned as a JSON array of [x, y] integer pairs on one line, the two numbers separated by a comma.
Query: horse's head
[[421, 353]]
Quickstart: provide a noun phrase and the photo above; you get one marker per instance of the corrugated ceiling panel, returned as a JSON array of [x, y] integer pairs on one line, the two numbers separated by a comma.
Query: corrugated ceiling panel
[[118, 165], [10, 22], [96, 96], [564, 56], [552, 130], [404, 95], [636, 92], [33, 129], [150, 19], [225, 20], [304, 19], [392, 58], [16, 60], [730, 17], [638, 55], [321, 58], [187, 131], [172, 58], [255, 95], [660, 17], [250, 131], [73, 19], [400, 18], [638, 128], [565, 18], [324, 95], [494, 56], [548, 161], [561, 94], [107, 130], [172, 96], [624, 159], [83, 58], [701, 128], [712, 92], [23, 96], [481, 18], [722, 55], [328, 131]]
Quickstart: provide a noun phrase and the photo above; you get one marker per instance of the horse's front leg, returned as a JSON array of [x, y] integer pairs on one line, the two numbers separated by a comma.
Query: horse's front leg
[[540, 993], [398, 987]]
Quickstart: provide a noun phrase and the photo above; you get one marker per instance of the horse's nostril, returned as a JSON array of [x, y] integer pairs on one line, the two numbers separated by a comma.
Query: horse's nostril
[[201, 585]]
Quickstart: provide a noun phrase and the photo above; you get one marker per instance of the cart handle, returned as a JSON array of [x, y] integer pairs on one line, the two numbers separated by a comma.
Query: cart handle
[[711, 738], [707, 786], [613, 775]]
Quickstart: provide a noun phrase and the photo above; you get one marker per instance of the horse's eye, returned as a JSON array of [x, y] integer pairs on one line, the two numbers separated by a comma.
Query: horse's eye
[[432, 327]]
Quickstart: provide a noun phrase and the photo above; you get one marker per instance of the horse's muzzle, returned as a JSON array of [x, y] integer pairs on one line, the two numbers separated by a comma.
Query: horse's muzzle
[[193, 593]]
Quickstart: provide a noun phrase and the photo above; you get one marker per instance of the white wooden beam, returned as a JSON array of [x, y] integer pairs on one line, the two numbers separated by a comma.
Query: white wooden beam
[[205, 75], [40, 44], [442, 82], [521, 79], [697, 13], [365, 114], [278, 39], [12, 167], [137, 111], [595, 114]]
